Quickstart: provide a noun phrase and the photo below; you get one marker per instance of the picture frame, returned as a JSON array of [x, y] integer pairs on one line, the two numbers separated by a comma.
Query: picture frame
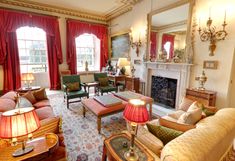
[[120, 45], [137, 61], [210, 64]]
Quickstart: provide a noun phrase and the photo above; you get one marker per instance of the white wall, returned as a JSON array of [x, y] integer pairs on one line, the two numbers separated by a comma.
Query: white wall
[[218, 80]]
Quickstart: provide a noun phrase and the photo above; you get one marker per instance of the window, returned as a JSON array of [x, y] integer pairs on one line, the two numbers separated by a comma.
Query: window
[[32, 49], [88, 49], [167, 47]]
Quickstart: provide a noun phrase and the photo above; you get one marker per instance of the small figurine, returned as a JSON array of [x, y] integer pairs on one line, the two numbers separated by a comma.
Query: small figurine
[[109, 66]]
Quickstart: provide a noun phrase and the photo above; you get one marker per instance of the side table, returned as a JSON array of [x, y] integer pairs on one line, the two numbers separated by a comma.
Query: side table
[[43, 148], [91, 84], [114, 148], [24, 90]]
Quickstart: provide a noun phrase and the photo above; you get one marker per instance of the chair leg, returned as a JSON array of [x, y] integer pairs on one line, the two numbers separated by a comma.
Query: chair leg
[[67, 103]]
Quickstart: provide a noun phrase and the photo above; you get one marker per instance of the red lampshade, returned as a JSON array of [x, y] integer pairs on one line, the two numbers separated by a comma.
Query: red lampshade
[[18, 122], [136, 111]]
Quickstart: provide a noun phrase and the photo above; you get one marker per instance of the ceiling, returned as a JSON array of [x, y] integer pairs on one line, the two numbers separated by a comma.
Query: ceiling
[[171, 16], [99, 10]]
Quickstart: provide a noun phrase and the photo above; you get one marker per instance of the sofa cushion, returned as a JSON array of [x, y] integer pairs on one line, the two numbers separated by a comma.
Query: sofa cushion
[[40, 94], [44, 112], [29, 95], [163, 133], [6, 104], [104, 81], [149, 140], [176, 115], [42, 103], [175, 125], [24, 102], [185, 104], [10, 95], [192, 116], [75, 86]]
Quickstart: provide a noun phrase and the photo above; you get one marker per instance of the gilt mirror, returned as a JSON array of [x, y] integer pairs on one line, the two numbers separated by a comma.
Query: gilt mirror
[[169, 30]]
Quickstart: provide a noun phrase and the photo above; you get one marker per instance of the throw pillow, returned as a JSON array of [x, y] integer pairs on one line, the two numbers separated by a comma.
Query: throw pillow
[[73, 86], [29, 95], [103, 81], [24, 102], [192, 116], [40, 94], [207, 111], [163, 133], [185, 104], [175, 125]]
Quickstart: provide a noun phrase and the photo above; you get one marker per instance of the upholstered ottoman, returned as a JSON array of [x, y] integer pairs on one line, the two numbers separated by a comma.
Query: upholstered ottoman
[[100, 110]]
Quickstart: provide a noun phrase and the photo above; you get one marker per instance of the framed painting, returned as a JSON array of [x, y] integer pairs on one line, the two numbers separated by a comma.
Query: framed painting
[[207, 64], [120, 45]]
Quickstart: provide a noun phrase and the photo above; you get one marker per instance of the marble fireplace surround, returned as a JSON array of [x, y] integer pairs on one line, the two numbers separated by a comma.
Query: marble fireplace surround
[[179, 71]]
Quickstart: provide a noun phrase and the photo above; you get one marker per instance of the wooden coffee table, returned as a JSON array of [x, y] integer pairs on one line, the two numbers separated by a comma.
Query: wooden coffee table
[[101, 111]]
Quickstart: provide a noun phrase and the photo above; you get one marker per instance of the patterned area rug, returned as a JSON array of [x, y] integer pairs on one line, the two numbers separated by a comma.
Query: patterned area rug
[[83, 143]]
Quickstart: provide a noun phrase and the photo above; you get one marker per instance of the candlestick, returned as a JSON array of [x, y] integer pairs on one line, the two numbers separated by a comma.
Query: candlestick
[[224, 15], [210, 12]]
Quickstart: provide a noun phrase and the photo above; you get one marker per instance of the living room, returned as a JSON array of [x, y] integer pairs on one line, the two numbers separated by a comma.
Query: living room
[[199, 65]]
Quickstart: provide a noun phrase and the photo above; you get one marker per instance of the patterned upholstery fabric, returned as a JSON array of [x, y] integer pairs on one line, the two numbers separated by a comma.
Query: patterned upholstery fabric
[[211, 138], [163, 133]]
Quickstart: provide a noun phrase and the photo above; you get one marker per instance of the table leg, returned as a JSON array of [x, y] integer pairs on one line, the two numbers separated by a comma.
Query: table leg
[[98, 124], [104, 156], [84, 111], [150, 110]]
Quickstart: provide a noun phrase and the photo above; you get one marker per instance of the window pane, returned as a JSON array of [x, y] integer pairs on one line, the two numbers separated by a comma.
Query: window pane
[[32, 49], [21, 44]]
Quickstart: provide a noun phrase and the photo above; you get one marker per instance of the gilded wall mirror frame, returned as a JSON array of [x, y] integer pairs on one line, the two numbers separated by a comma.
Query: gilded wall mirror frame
[[187, 23]]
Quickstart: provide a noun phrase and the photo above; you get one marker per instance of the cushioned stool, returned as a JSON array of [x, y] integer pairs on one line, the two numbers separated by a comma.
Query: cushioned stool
[[101, 111]]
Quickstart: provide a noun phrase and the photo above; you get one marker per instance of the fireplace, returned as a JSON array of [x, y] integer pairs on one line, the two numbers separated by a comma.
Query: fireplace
[[164, 91]]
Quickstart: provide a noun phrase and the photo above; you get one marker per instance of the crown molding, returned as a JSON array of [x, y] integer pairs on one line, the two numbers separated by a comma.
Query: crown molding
[[55, 9], [126, 6], [176, 24]]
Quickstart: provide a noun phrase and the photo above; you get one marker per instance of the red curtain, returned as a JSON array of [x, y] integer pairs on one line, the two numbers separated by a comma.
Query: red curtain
[[9, 57], [171, 39], [153, 47], [76, 28]]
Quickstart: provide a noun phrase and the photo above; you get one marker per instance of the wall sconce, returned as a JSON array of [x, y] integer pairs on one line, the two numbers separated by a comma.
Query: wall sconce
[[136, 45], [209, 33]]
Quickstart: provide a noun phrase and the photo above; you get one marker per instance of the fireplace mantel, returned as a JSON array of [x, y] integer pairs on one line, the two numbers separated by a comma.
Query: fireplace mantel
[[179, 71]]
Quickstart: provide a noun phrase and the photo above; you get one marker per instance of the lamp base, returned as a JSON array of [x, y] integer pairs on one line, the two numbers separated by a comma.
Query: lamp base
[[129, 156], [20, 152]]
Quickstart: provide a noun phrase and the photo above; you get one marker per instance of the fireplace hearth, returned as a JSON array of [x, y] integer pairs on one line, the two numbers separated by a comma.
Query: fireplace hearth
[[163, 91]]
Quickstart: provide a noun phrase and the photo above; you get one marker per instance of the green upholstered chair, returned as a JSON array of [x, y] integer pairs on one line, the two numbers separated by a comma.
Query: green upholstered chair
[[104, 89], [75, 93]]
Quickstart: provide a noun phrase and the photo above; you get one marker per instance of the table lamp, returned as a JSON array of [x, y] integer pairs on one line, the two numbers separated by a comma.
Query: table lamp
[[135, 113], [27, 78], [16, 123], [122, 62]]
